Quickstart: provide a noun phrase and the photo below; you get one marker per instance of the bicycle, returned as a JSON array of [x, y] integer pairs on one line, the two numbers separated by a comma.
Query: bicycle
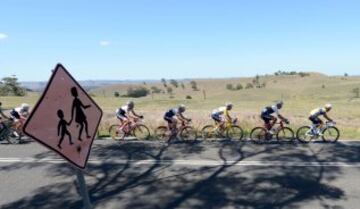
[[280, 130], [328, 133], [135, 128], [185, 132], [230, 131], [9, 133]]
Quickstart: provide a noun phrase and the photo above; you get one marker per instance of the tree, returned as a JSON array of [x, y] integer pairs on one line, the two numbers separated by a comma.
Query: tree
[[11, 86], [163, 81], [356, 92], [229, 86], [174, 82], [116, 94], [194, 85], [346, 74]]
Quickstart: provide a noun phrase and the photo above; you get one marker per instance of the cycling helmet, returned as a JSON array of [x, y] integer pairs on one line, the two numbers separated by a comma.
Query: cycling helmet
[[182, 108], [328, 107], [130, 103], [228, 104], [25, 107], [279, 104]]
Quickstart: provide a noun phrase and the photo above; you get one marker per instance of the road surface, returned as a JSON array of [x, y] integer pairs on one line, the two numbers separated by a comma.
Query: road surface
[[155, 175]]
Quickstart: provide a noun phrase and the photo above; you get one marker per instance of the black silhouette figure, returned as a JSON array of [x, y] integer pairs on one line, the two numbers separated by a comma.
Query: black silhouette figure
[[77, 110], [62, 128]]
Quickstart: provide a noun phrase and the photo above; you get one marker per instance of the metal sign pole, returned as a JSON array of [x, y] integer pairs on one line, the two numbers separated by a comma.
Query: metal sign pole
[[83, 189]]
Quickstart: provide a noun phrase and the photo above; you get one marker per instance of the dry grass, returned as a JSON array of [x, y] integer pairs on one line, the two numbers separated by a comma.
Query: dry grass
[[300, 95]]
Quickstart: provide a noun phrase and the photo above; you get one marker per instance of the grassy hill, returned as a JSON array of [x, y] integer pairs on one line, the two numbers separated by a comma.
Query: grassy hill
[[300, 94]]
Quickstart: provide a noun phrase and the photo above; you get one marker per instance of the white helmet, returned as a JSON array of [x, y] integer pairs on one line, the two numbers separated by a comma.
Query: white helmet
[[182, 108], [328, 106], [130, 103], [25, 107]]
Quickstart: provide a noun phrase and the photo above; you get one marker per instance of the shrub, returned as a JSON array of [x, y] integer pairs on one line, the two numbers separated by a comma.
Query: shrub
[[116, 94], [239, 86], [188, 97], [169, 90], [155, 90], [137, 92], [249, 86], [194, 85], [229, 86]]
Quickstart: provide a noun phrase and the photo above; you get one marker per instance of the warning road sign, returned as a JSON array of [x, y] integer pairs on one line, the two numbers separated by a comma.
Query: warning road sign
[[65, 119]]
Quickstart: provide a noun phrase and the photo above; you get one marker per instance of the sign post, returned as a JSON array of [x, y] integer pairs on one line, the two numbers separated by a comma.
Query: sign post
[[66, 120]]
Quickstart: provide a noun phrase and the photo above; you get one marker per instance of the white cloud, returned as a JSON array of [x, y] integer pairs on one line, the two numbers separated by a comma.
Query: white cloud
[[105, 43], [3, 36]]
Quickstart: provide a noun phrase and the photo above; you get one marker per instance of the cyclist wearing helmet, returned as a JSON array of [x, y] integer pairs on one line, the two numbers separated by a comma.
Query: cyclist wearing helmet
[[218, 114], [316, 113], [267, 114], [124, 113], [178, 113], [20, 112]]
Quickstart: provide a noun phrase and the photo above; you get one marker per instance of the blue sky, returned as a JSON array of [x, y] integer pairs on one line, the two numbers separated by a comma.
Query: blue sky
[[149, 39]]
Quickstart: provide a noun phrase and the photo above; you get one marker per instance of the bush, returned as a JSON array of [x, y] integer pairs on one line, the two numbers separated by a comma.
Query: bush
[[137, 92], [239, 86], [169, 90], [229, 86], [155, 90], [249, 86], [194, 85], [116, 94], [9, 86], [188, 97]]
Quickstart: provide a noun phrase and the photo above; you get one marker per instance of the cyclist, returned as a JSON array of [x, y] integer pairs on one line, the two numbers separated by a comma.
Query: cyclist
[[19, 115], [217, 115], [267, 115], [173, 115], [127, 112], [316, 121]]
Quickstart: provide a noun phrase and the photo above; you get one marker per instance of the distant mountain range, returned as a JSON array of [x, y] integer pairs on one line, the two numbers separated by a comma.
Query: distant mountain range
[[87, 84]]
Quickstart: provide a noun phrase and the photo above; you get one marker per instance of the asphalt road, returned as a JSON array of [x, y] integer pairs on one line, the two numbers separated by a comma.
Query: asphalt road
[[206, 175]]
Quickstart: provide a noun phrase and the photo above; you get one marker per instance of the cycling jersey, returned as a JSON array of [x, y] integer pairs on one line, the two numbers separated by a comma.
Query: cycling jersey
[[267, 111], [172, 112], [16, 113], [317, 112], [220, 111]]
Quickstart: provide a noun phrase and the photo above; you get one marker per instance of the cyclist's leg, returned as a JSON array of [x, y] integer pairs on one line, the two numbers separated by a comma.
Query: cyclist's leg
[[217, 120], [267, 120]]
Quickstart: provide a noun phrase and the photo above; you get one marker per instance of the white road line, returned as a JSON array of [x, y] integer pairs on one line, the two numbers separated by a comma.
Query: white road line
[[189, 162]]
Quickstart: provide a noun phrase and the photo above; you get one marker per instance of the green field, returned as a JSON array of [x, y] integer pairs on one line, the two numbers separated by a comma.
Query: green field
[[300, 94]]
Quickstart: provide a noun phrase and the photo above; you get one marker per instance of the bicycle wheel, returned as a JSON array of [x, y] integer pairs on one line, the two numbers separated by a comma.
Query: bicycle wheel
[[235, 133], [13, 137], [258, 134], [141, 132], [208, 132], [285, 134], [116, 133], [188, 133], [304, 134], [161, 133], [331, 134]]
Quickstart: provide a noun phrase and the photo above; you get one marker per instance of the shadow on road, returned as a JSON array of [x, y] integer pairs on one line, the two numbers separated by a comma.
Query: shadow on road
[[166, 186]]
